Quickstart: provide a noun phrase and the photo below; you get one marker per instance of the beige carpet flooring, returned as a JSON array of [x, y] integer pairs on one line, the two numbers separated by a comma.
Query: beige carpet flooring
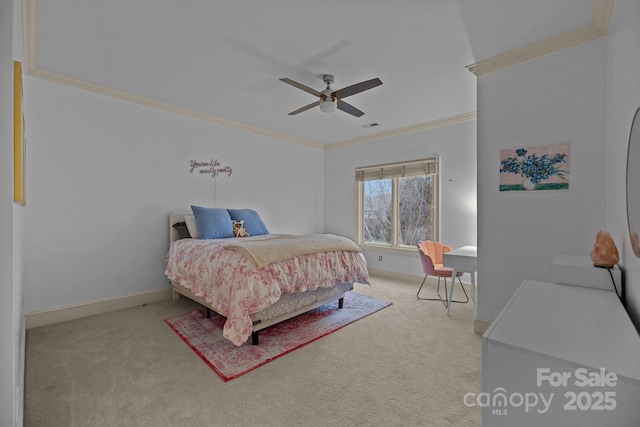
[[407, 365]]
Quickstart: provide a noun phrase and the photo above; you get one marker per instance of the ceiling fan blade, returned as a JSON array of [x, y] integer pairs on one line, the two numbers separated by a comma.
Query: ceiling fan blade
[[301, 86], [348, 108], [357, 88], [305, 108]]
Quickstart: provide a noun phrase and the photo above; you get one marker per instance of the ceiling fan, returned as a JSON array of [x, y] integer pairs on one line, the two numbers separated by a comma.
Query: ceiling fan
[[329, 100]]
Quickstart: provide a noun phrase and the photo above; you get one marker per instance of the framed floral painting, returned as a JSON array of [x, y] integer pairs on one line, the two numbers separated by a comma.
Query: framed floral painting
[[544, 167]]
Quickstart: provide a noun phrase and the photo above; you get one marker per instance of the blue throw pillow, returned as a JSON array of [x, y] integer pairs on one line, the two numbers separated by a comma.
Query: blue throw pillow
[[252, 221], [213, 223]]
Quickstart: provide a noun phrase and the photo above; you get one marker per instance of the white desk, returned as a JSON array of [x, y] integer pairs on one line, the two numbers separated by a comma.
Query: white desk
[[462, 259]]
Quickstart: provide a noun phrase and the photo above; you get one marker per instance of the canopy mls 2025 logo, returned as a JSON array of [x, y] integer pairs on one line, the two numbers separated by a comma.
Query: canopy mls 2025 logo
[[578, 390]]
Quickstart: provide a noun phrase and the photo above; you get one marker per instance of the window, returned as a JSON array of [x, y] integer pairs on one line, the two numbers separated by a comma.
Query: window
[[398, 203]]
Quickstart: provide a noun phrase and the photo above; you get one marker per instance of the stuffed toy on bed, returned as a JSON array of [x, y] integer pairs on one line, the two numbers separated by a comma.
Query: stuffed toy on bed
[[239, 230]]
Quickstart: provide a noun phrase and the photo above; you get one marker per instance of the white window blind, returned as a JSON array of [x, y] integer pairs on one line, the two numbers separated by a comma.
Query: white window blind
[[398, 170]]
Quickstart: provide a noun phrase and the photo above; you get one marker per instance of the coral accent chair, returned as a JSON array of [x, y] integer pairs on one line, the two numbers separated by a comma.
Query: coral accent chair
[[431, 258]]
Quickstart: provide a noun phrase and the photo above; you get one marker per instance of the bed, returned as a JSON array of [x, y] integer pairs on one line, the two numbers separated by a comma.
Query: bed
[[253, 292]]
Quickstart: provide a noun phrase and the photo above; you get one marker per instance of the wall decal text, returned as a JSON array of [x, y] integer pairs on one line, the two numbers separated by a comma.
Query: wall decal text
[[212, 167]]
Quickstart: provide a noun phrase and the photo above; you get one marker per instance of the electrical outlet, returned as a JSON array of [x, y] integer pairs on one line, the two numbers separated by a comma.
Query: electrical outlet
[[380, 258]]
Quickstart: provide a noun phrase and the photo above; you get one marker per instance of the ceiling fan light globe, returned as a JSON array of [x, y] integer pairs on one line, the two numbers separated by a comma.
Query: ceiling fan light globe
[[328, 106]]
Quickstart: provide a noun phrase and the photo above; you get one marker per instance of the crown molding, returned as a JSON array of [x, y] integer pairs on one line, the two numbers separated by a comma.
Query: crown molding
[[602, 11], [115, 93], [30, 33], [29, 14], [536, 50], [29, 10], [29, 25], [188, 112], [81, 84], [445, 121]]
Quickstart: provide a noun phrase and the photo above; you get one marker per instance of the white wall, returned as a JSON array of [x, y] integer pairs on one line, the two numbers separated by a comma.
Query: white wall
[[555, 98], [103, 174], [8, 346], [11, 314], [457, 150], [623, 100]]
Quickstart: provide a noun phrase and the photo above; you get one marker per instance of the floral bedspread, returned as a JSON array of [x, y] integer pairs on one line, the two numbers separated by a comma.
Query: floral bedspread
[[235, 288]]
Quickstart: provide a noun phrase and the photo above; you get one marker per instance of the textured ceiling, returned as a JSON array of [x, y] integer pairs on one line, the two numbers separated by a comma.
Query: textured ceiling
[[224, 58]]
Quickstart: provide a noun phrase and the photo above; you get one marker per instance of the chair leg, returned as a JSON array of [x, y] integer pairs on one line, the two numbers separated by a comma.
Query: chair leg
[[438, 292]]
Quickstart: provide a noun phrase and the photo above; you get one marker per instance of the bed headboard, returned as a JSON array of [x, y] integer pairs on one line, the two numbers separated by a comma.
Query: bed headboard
[[173, 218]]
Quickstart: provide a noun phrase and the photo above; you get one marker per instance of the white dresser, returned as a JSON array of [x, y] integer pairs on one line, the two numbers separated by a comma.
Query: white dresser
[[561, 355], [578, 270]]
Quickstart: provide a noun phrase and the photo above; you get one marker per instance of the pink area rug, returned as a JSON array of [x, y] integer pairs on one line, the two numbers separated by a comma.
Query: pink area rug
[[204, 336]]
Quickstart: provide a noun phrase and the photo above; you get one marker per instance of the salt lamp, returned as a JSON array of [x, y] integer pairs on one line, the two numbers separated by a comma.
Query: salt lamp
[[604, 252]]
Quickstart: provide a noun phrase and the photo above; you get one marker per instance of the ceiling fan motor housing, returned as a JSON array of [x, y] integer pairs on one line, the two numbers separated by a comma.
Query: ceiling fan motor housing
[[328, 79]]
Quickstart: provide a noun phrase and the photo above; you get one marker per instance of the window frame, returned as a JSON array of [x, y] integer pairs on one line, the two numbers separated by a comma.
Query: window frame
[[396, 172]]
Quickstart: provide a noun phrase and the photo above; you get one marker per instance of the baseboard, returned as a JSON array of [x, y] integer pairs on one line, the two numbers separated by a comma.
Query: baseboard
[[395, 275], [411, 278], [481, 325], [19, 397], [72, 312]]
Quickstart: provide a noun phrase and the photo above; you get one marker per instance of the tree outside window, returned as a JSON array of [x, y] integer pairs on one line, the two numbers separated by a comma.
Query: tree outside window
[[377, 211], [416, 199]]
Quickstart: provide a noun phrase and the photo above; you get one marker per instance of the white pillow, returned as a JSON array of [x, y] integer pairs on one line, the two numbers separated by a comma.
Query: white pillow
[[191, 226]]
